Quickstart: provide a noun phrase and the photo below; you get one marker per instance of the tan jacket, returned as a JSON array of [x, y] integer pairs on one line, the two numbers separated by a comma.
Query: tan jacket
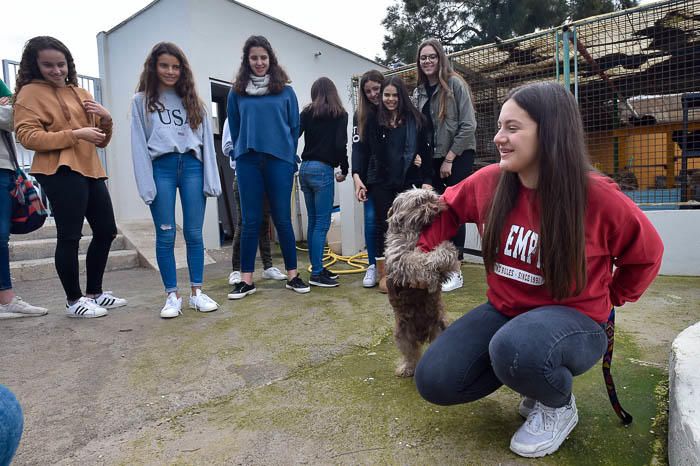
[[45, 117]]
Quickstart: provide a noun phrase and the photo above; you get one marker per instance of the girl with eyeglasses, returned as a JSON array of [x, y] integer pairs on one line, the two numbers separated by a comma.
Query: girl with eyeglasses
[[443, 98]]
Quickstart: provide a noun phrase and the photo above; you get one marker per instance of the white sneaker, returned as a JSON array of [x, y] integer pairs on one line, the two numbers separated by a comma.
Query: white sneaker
[[273, 273], [86, 308], [108, 301], [234, 277], [544, 430], [526, 406], [370, 279], [202, 302], [172, 308], [23, 308], [454, 281]]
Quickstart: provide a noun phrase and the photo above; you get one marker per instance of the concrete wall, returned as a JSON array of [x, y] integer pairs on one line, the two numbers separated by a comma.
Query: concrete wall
[[212, 33], [684, 399], [680, 232]]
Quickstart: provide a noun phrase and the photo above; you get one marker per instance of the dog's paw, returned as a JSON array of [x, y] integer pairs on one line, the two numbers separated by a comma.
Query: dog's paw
[[405, 370]]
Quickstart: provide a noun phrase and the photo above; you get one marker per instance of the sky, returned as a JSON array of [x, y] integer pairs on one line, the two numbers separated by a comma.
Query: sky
[[357, 28]]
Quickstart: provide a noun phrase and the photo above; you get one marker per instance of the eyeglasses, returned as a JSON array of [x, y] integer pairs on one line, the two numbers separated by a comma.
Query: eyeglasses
[[431, 57]]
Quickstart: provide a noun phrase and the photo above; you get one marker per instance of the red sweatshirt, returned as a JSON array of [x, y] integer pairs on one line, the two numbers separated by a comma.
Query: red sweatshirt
[[617, 233]]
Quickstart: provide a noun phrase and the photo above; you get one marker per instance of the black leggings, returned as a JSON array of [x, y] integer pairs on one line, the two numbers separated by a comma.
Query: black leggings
[[73, 198], [461, 168]]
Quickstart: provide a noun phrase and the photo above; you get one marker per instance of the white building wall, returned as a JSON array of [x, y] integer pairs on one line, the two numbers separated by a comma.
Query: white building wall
[[212, 34], [680, 232], [122, 53]]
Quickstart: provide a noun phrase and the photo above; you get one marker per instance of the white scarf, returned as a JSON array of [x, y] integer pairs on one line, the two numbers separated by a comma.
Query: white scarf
[[258, 85]]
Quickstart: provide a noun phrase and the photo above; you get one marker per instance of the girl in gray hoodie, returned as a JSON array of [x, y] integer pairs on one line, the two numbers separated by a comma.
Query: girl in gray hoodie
[[173, 148]]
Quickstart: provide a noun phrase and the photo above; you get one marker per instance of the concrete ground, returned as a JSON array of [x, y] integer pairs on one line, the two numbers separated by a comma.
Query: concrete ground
[[281, 378]]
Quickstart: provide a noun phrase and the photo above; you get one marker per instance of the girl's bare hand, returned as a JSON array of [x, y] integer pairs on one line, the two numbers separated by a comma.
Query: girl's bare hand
[[445, 169], [360, 189], [95, 108], [90, 134], [417, 161]]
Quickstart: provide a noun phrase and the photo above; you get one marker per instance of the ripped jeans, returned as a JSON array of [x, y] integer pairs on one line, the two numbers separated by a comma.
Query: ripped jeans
[[170, 172], [537, 354]]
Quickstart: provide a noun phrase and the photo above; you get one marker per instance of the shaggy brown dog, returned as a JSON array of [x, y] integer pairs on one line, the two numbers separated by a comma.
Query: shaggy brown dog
[[414, 277]]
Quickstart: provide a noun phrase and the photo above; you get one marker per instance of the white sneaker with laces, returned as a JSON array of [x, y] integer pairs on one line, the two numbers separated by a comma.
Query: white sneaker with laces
[[273, 273], [20, 306], [454, 281], [370, 279], [172, 308], [234, 277], [85, 308], [202, 302], [108, 301], [544, 430]]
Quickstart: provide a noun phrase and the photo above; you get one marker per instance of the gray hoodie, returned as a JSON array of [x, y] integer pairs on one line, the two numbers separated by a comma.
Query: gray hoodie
[[6, 159], [164, 132]]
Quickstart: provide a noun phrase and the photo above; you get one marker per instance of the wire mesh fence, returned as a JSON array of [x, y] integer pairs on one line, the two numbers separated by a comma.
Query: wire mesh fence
[[636, 76]]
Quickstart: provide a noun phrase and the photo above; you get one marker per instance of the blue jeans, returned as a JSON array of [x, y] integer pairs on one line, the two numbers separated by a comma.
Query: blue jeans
[[7, 182], [170, 172], [370, 232], [11, 424], [317, 183], [259, 175], [537, 354]]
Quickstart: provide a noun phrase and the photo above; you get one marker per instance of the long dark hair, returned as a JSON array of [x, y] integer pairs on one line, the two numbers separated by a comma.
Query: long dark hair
[[405, 107], [184, 87], [278, 77], [561, 190], [29, 68], [325, 101], [365, 108], [445, 72]]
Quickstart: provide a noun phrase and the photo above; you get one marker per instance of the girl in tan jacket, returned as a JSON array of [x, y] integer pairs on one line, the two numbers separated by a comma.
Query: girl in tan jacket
[[63, 124]]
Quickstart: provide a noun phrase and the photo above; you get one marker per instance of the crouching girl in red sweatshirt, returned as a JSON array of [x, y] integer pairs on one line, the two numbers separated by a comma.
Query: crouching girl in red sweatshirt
[[552, 229]]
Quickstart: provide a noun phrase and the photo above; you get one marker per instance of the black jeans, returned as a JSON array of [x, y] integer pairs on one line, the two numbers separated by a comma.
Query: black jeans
[[73, 198], [461, 168], [537, 354], [382, 197]]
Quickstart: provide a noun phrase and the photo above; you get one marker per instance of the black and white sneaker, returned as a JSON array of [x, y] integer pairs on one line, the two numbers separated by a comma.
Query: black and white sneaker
[[298, 285], [328, 274], [323, 281], [241, 290], [85, 308], [108, 301]]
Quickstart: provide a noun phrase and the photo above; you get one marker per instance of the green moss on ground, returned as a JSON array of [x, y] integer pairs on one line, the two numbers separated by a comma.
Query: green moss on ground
[[337, 394]]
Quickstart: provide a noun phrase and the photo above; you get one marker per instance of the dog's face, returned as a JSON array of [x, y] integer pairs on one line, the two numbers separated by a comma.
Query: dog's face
[[414, 209]]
